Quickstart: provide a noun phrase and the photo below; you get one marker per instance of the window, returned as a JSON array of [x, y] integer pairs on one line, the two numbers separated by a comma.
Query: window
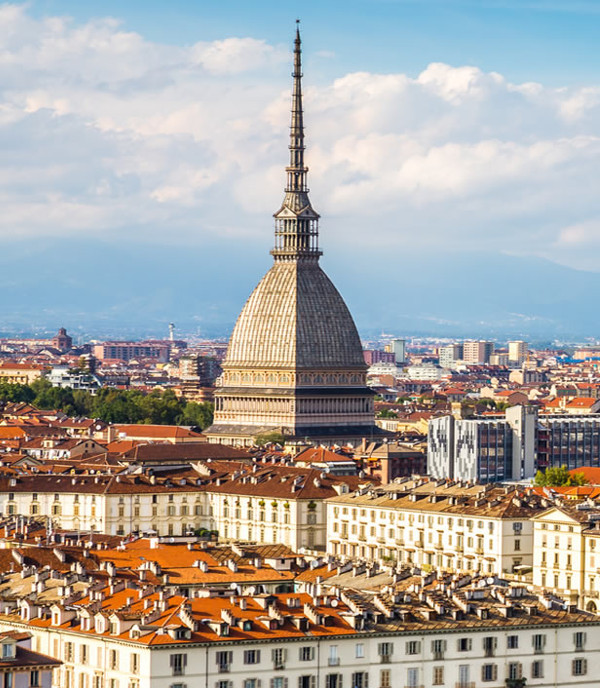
[[333, 660], [359, 651], [579, 667], [464, 644], [438, 647], [489, 672], [360, 679], [413, 647], [251, 683], [279, 656], [464, 672], [307, 654], [385, 678], [579, 639], [34, 678], [512, 642], [279, 682], [385, 651], [307, 682], [224, 659], [251, 656], [135, 663], [538, 641], [489, 645], [113, 659], [517, 545], [438, 676], [515, 670], [178, 663], [333, 681], [412, 678], [537, 669], [83, 654], [68, 652], [224, 684]]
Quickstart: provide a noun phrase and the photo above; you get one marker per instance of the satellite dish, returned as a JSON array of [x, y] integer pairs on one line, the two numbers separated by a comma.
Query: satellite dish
[[334, 603]]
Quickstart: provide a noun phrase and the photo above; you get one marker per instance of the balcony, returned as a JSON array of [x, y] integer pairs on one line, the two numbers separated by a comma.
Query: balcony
[[278, 666], [381, 540], [333, 661], [385, 659], [224, 668], [399, 542], [438, 656], [464, 684]]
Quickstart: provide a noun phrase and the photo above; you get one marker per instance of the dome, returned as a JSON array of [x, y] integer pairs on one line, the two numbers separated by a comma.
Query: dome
[[295, 318]]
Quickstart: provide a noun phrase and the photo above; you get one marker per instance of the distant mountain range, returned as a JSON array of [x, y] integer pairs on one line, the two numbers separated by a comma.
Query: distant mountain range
[[126, 289]]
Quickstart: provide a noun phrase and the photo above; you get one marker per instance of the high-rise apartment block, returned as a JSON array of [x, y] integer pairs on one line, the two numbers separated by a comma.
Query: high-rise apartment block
[[450, 354], [517, 352], [477, 353], [398, 348]]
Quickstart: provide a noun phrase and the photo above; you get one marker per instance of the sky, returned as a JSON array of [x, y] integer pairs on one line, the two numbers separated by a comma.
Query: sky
[[434, 127]]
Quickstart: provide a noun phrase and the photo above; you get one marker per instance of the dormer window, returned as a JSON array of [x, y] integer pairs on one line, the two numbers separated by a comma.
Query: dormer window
[[8, 650]]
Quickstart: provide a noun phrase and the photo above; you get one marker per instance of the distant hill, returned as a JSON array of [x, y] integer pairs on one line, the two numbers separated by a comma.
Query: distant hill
[[127, 289]]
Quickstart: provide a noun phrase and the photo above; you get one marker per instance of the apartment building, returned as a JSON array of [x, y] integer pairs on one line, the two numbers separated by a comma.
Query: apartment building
[[567, 551], [254, 503], [427, 630], [477, 352], [437, 524], [20, 667]]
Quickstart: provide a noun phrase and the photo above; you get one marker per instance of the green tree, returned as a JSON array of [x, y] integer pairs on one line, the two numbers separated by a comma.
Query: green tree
[[387, 413], [16, 393], [198, 415], [274, 437], [559, 476]]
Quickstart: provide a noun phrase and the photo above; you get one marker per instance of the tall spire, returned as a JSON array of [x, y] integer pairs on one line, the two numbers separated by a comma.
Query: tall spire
[[296, 222]]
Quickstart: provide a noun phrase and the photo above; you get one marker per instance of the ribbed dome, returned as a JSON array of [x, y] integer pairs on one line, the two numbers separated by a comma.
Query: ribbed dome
[[295, 318]]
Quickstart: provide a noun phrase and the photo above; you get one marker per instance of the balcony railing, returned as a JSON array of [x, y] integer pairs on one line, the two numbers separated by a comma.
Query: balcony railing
[[333, 661], [385, 659], [464, 684]]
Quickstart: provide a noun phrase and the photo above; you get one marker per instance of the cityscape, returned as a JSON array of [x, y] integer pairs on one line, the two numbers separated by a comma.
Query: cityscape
[[214, 469]]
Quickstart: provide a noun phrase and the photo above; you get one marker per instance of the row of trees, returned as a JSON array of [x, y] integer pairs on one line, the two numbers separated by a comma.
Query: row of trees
[[112, 405]]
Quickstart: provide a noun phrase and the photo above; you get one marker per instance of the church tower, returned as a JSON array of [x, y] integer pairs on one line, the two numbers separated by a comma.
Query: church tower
[[294, 363]]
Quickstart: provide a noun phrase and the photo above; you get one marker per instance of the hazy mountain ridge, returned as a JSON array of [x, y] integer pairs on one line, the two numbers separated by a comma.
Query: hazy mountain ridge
[[132, 289]]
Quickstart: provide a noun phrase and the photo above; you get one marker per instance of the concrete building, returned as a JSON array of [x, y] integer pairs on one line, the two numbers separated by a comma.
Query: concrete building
[[511, 448], [450, 354], [487, 450], [295, 362], [126, 351], [517, 352], [398, 348], [477, 353]]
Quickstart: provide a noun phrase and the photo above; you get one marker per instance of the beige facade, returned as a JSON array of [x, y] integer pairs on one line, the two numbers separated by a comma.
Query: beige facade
[[294, 363]]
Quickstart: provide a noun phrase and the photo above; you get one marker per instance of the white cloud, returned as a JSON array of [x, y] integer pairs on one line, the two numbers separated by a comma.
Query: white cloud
[[105, 132]]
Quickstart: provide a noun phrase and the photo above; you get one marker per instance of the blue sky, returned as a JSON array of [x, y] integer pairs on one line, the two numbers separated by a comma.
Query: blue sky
[[434, 129], [540, 40]]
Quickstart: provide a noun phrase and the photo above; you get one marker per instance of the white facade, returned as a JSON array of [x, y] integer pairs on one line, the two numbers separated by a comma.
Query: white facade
[[296, 523], [546, 655], [361, 529]]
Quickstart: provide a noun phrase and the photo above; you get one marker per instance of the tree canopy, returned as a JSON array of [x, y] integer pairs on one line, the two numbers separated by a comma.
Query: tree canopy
[[559, 476], [160, 407]]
